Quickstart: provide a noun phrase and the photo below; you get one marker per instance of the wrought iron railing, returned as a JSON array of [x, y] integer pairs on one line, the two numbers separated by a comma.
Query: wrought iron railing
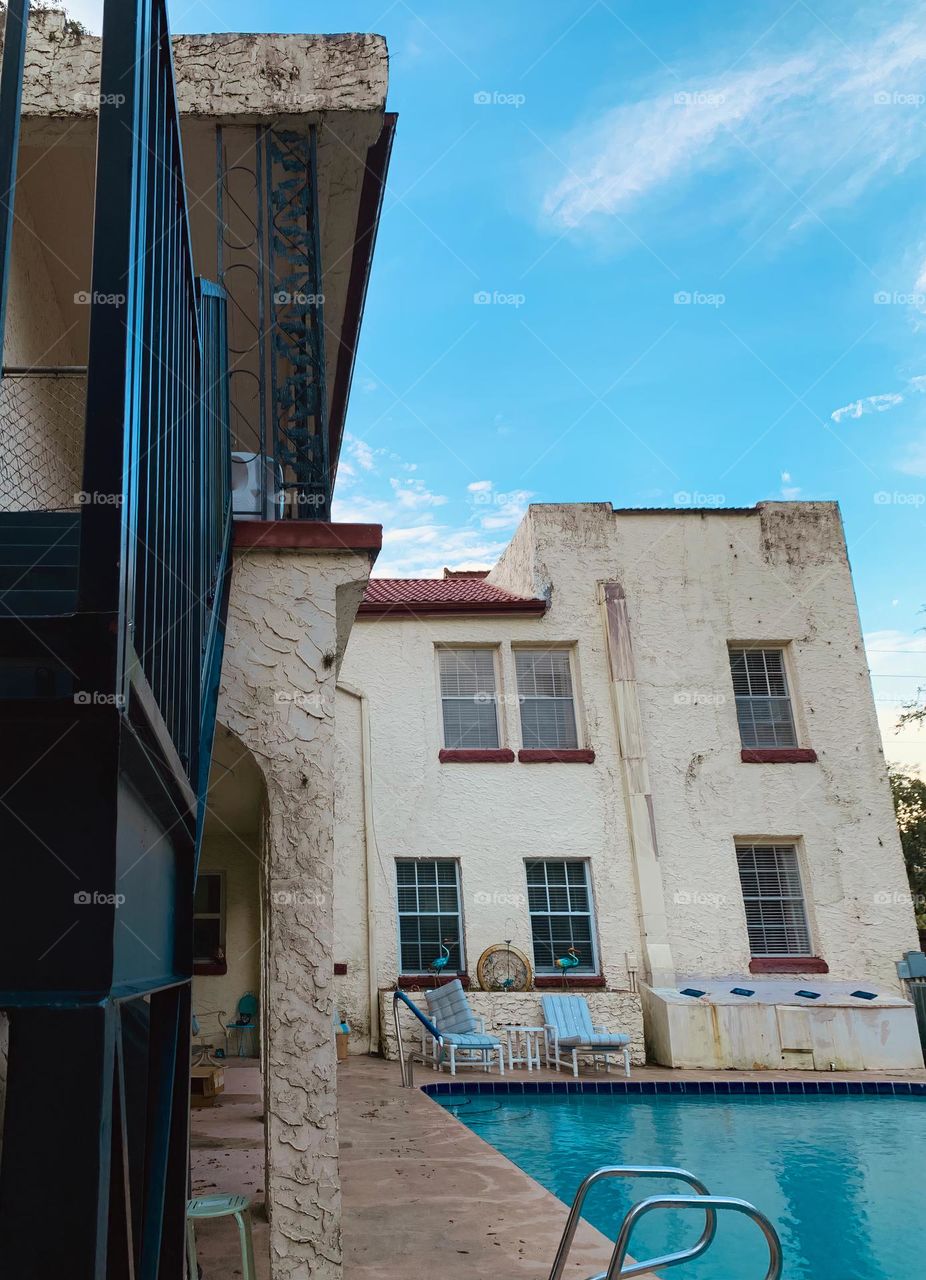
[[42, 413], [157, 388]]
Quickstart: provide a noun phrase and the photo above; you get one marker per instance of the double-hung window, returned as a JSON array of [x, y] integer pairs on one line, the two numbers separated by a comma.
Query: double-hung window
[[545, 696], [209, 918], [776, 918], [763, 702], [559, 901], [468, 702], [429, 914]]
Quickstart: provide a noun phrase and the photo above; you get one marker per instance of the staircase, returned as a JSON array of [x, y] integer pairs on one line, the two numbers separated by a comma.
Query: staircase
[[39, 561]]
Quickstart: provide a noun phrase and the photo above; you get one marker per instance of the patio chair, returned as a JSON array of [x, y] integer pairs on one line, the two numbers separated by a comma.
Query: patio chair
[[569, 1033], [461, 1029]]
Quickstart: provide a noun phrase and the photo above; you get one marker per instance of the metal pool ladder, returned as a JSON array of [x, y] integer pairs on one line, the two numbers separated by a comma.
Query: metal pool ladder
[[701, 1200]]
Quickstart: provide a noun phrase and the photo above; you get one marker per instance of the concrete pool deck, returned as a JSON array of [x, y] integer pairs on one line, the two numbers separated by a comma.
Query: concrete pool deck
[[421, 1192]]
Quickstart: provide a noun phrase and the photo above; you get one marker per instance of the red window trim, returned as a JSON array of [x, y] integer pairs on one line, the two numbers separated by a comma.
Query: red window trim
[[556, 755], [778, 755], [428, 981], [788, 964], [475, 755], [589, 981]]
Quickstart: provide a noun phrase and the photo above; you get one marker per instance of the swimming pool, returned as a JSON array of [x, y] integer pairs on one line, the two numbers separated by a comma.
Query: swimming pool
[[839, 1176]]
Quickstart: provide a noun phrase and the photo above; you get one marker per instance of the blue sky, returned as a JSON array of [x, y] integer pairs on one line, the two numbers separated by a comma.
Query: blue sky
[[651, 254]]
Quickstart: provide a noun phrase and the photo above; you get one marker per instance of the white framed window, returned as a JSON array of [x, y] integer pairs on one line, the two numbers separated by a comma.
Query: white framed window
[[469, 709], [560, 905], [545, 697], [209, 918], [763, 700], [776, 916], [429, 914]]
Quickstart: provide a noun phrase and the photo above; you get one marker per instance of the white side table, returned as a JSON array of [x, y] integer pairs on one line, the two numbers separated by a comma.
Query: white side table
[[523, 1046]]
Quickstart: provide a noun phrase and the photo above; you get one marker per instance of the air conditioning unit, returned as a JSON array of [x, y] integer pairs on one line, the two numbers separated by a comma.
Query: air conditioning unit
[[246, 486]]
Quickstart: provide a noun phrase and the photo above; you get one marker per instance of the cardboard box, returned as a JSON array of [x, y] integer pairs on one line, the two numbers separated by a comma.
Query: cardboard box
[[206, 1083]]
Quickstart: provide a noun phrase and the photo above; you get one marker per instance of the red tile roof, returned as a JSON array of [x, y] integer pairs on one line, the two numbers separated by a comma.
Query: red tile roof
[[414, 596]]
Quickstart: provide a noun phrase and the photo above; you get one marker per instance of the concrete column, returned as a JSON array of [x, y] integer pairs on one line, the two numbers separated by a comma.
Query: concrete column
[[289, 618], [638, 801]]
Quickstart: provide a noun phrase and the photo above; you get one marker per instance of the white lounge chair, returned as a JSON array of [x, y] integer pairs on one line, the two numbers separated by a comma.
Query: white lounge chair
[[461, 1029], [569, 1032]]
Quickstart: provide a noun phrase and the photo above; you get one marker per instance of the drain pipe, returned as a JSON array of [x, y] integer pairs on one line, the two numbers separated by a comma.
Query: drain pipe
[[369, 846]]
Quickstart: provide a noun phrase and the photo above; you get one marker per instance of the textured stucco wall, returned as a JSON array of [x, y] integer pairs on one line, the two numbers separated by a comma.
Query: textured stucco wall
[[277, 697], [238, 856], [228, 76], [694, 582], [617, 1010]]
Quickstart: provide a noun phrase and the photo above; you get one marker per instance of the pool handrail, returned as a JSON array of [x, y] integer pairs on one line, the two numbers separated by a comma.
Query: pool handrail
[[407, 1061], [632, 1171], [616, 1270]]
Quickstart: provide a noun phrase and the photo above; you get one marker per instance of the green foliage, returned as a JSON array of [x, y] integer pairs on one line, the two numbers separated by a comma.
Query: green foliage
[[909, 793]]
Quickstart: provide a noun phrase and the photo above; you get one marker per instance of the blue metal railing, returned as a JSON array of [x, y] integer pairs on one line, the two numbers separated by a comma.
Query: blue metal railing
[[156, 455], [407, 1059]]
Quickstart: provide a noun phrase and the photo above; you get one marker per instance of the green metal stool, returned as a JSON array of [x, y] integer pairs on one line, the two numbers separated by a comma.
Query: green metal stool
[[238, 1207]]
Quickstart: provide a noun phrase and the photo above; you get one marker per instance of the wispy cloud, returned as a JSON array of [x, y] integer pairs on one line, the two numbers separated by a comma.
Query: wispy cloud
[[789, 491], [870, 404], [787, 118]]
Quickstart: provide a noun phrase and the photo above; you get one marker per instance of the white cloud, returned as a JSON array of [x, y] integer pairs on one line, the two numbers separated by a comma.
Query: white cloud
[[913, 462], [480, 486], [788, 491], [870, 404], [360, 451], [780, 122], [413, 494]]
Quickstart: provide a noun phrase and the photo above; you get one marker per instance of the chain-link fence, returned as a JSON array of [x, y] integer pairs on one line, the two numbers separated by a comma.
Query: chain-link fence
[[42, 438]]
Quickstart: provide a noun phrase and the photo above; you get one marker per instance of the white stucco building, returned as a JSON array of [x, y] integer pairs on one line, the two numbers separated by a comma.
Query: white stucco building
[[648, 734]]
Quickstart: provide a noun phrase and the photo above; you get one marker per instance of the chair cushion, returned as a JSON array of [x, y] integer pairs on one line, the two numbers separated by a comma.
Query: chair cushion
[[450, 1009], [570, 1016], [605, 1040], [474, 1041]]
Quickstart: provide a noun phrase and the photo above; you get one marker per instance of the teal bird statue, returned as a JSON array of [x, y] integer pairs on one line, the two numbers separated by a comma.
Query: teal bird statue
[[567, 962], [439, 963]]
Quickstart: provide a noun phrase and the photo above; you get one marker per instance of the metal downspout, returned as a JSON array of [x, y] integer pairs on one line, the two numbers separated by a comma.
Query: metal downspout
[[369, 845]]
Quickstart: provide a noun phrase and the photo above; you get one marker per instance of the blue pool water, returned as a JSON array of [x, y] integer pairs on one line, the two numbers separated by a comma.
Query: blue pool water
[[840, 1177]]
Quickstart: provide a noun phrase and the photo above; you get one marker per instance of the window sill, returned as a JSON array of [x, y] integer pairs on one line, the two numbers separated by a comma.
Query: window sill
[[475, 755], [554, 755], [788, 964], [588, 981], [428, 981], [209, 968], [778, 755]]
